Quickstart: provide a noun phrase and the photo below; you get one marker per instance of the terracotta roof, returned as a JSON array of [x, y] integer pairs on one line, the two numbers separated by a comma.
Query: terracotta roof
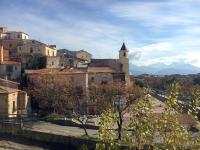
[[72, 70], [10, 62], [100, 70], [8, 81], [4, 89], [57, 70]]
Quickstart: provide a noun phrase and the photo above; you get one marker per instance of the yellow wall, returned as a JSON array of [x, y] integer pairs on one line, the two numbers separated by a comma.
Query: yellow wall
[[37, 48]]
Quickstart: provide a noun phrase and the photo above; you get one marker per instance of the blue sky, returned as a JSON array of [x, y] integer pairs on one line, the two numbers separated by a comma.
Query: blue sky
[[164, 31]]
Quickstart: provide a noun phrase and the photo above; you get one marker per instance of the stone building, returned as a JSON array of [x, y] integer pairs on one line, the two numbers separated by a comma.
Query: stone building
[[9, 69], [120, 65], [12, 35], [74, 58], [30, 53], [13, 102], [50, 62], [80, 78], [33, 54]]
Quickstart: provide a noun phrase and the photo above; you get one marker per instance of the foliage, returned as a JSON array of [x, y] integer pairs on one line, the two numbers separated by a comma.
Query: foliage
[[107, 135], [140, 128], [115, 96], [148, 128], [195, 101]]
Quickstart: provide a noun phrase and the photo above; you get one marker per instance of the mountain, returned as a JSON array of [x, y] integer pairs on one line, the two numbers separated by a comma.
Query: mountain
[[163, 69]]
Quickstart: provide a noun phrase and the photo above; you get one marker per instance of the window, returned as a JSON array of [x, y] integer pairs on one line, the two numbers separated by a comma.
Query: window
[[104, 82], [124, 54], [92, 79], [31, 50], [52, 63], [18, 36], [14, 107], [9, 68], [10, 45]]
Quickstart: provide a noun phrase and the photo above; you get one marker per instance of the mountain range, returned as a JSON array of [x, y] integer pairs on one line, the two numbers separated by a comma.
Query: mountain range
[[163, 69]]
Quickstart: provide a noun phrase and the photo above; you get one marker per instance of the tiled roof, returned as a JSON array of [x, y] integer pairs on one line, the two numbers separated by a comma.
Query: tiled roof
[[4, 89], [100, 70], [72, 70], [10, 62]]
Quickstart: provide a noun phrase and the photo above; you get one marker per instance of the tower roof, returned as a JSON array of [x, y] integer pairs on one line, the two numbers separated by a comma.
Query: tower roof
[[123, 48]]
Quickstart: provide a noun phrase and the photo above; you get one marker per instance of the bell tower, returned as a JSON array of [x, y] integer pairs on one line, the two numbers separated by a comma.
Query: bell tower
[[123, 58]]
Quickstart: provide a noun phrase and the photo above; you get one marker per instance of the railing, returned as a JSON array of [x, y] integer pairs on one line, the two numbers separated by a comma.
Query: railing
[[24, 120]]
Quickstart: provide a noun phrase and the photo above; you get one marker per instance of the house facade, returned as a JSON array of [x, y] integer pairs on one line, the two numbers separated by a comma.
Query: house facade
[[13, 102], [9, 69]]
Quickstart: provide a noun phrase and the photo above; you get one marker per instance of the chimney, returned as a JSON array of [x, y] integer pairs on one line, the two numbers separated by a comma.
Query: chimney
[[1, 53]]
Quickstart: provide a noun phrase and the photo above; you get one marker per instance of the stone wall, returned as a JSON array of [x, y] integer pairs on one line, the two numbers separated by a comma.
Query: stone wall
[[69, 141]]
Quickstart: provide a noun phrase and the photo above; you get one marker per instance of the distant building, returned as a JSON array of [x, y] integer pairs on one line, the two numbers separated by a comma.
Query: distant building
[[36, 55], [31, 53], [80, 78], [120, 65], [10, 70], [13, 102], [36, 47], [12, 35], [79, 59]]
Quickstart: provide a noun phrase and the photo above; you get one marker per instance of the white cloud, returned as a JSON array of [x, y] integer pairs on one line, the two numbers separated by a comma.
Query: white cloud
[[158, 13]]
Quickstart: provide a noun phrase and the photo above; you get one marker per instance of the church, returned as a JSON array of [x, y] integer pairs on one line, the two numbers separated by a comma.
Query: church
[[120, 65]]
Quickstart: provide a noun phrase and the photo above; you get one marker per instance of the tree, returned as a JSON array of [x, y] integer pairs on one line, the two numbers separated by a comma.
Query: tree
[[107, 135], [116, 96], [194, 106], [56, 95], [173, 134], [51, 94], [162, 131], [140, 131]]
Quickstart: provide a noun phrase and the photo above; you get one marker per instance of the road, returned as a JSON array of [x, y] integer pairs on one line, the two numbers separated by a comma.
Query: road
[[47, 127]]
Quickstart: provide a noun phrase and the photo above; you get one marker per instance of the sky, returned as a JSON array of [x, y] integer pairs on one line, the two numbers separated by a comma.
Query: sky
[[155, 31]]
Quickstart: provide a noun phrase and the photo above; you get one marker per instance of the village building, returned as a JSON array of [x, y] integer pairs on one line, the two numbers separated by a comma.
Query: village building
[[36, 55], [79, 78], [79, 59], [9, 69], [120, 65], [13, 102], [31, 53], [12, 35]]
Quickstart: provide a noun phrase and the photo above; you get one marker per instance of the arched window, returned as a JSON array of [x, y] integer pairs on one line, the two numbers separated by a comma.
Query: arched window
[[124, 54]]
